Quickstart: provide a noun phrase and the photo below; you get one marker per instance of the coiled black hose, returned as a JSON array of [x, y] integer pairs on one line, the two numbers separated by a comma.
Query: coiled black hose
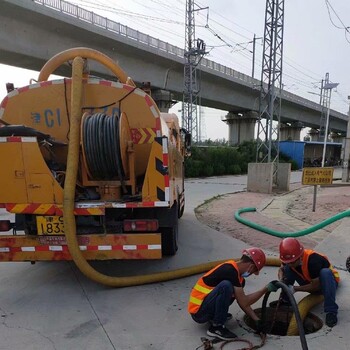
[[101, 144], [295, 309]]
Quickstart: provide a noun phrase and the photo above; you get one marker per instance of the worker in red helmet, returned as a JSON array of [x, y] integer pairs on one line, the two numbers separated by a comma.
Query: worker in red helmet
[[312, 271], [214, 292]]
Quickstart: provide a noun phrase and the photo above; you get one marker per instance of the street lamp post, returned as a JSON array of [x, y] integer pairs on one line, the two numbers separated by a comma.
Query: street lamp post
[[329, 87]]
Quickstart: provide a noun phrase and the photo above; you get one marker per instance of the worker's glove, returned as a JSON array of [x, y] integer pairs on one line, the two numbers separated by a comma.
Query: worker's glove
[[260, 327], [272, 287], [291, 289]]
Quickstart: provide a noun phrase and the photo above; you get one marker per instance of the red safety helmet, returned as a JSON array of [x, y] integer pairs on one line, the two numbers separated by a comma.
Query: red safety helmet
[[290, 250], [257, 255]]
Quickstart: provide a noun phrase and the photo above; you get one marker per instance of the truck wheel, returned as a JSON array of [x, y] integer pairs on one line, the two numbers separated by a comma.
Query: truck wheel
[[170, 234]]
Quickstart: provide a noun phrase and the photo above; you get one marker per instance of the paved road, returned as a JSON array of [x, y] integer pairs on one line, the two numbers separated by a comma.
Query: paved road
[[53, 306]]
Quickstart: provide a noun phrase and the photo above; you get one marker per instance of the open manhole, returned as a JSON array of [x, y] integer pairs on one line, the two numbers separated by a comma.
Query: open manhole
[[277, 321]]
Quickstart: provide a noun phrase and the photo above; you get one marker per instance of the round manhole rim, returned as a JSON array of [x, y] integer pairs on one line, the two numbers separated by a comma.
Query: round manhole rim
[[317, 323]]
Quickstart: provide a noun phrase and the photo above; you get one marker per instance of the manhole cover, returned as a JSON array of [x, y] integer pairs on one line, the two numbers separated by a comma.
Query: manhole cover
[[278, 321]]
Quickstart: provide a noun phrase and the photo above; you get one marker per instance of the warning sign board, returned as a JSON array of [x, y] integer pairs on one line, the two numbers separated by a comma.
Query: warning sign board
[[317, 176]]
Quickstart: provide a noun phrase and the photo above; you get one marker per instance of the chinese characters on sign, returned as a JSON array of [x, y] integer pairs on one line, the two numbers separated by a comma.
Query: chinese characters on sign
[[317, 176]]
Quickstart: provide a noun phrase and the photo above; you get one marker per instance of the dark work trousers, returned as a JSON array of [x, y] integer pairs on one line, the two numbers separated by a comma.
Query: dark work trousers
[[328, 286], [216, 304]]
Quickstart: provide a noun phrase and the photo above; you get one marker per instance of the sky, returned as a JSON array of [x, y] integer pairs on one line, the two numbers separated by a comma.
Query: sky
[[316, 41]]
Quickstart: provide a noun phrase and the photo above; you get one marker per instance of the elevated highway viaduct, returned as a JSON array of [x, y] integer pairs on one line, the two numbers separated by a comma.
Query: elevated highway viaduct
[[31, 32]]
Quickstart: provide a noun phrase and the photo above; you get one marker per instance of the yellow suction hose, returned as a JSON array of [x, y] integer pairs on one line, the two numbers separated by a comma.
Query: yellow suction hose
[[70, 224], [304, 306], [69, 199], [64, 56]]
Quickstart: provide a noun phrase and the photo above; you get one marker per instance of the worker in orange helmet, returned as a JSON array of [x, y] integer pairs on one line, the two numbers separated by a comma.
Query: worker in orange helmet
[[214, 292], [313, 272]]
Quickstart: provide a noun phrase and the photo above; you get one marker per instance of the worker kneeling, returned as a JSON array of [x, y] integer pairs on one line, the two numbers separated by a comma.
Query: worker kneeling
[[214, 292], [313, 272]]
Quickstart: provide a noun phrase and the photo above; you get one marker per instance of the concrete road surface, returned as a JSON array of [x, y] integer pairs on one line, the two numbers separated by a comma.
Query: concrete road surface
[[53, 306]]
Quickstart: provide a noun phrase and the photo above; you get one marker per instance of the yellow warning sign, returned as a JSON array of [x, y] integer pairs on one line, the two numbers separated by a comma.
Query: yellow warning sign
[[317, 176]]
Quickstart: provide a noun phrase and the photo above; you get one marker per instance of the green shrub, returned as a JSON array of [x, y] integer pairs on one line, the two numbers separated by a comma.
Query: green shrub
[[216, 158], [234, 169]]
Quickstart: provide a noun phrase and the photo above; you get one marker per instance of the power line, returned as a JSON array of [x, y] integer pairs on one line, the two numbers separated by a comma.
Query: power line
[[222, 37], [347, 31], [294, 72]]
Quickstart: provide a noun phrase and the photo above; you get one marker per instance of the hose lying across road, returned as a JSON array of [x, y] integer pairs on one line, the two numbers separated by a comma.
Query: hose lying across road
[[280, 234]]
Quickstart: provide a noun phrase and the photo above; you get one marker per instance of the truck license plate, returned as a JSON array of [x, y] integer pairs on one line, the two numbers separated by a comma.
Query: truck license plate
[[50, 225]]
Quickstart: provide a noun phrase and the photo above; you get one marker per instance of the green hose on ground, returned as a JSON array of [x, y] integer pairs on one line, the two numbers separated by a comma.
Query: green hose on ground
[[275, 233]]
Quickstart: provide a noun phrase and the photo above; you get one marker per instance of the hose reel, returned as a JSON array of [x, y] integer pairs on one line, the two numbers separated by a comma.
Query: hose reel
[[104, 142]]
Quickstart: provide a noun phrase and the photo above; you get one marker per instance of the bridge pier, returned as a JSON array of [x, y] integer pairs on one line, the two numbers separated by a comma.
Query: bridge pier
[[337, 137], [163, 99], [290, 131], [241, 126], [313, 133]]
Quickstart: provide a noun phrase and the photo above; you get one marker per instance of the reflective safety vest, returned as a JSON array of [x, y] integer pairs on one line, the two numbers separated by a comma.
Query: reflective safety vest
[[201, 290], [305, 263]]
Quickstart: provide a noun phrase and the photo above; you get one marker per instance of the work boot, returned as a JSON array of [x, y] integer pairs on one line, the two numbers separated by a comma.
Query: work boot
[[331, 319], [221, 332]]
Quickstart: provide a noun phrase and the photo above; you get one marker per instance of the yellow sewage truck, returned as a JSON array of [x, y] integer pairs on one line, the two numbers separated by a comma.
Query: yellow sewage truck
[[92, 158]]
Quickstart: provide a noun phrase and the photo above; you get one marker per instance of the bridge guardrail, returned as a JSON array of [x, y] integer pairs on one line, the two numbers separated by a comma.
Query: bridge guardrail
[[134, 35]]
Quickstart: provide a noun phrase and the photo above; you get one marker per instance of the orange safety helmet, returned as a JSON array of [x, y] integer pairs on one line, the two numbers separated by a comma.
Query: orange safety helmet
[[257, 255], [290, 250]]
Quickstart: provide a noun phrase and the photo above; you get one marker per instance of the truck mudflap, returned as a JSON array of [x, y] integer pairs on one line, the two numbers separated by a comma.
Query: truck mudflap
[[93, 247]]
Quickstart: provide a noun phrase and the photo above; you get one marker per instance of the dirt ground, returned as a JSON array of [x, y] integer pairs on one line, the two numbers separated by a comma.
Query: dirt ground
[[298, 203]]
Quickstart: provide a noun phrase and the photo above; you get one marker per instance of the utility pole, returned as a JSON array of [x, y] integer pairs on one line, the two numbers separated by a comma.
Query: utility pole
[[323, 102], [271, 85], [327, 87], [253, 67], [254, 45], [194, 51], [346, 159]]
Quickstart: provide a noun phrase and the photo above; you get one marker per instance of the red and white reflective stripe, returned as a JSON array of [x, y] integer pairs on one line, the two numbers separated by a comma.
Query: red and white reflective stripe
[[61, 248], [152, 106], [114, 84], [140, 204], [153, 109], [92, 81], [18, 139], [49, 209], [140, 93]]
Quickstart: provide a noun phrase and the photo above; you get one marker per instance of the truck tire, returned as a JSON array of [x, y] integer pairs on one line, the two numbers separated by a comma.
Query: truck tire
[[170, 234]]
